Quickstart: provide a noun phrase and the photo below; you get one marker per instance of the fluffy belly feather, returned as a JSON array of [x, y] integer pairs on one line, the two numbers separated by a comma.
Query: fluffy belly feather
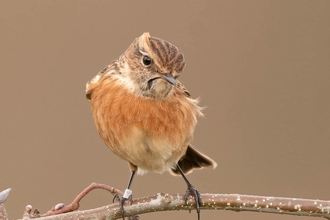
[[152, 135]]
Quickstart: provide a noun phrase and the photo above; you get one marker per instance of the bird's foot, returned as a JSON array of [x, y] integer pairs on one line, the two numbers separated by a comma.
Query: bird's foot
[[191, 191], [116, 197], [127, 196]]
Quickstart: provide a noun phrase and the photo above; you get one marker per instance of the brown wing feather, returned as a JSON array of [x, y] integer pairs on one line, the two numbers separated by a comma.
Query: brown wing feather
[[90, 86]]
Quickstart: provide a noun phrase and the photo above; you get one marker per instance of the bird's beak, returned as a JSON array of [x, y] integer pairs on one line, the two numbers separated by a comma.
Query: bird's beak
[[169, 78]]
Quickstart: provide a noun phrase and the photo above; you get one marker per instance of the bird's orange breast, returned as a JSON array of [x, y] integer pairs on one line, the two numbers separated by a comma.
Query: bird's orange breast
[[151, 134]]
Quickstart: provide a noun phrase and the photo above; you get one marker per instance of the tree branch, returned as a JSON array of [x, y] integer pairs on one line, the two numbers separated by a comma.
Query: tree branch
[[167, 202], [60, 208]]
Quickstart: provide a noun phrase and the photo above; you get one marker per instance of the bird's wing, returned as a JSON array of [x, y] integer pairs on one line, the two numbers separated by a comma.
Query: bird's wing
[[111, 68]]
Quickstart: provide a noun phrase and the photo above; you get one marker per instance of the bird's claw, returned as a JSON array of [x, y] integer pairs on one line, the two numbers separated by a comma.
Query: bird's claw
[[121, 201], [116, 197], [191, 191]]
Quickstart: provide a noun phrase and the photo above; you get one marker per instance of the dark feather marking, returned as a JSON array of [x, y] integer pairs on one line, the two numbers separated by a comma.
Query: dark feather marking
[[182, 88], [163, 50], [175, 53], [105, 69], [168, 48], [156, 49], [179, 58], [180, 62]]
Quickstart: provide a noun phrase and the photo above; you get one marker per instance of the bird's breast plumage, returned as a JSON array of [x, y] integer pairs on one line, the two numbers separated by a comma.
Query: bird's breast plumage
[[151, 134]]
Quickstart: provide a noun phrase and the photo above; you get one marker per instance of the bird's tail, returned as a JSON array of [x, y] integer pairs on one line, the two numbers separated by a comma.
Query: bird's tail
[[192, 160]]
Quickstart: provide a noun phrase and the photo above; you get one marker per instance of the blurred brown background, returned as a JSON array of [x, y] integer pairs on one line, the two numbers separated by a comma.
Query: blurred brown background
[[262, 68]]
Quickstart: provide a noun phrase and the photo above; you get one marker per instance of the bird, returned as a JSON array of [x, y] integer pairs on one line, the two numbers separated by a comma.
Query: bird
[[145, 115]]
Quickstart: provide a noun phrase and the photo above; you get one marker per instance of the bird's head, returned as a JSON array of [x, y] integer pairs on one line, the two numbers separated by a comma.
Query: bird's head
[[152, 65]]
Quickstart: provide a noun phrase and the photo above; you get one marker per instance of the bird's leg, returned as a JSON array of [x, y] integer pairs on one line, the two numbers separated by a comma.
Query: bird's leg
[[191, 191], [127, 195]]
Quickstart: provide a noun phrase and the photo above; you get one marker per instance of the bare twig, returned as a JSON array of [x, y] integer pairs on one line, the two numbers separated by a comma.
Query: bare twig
[[61, 208]]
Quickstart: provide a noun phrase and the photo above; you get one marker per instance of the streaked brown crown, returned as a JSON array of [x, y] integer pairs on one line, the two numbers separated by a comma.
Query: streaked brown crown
[[166, 56]]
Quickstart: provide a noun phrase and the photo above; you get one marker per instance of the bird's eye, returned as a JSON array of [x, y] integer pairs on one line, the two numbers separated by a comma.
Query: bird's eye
[[146, 60]]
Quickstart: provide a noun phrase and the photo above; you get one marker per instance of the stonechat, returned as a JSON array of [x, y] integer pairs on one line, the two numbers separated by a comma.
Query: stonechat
[[145, 115]]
